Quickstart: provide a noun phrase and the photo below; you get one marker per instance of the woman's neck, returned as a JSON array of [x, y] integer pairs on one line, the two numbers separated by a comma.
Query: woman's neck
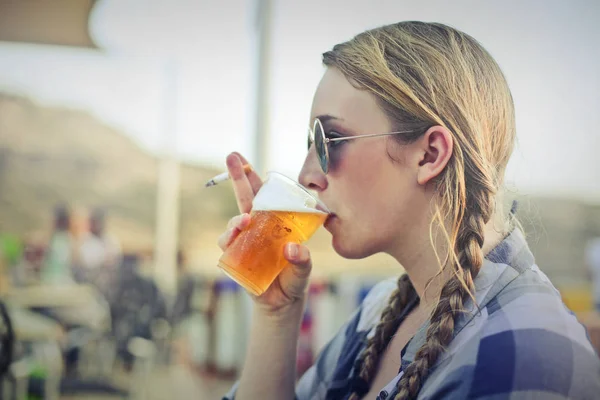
[[422, 260]]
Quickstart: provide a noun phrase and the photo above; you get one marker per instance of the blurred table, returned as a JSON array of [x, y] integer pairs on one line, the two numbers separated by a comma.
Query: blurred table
[[68, 295], [70, 303], [31, 326], [591, 320]]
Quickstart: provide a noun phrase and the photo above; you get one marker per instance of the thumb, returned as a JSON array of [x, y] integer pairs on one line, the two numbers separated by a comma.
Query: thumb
[[294, 278], [299, 256]]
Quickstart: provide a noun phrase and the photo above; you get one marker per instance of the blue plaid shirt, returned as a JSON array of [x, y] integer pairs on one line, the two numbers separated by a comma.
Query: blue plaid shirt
[[522, 344]]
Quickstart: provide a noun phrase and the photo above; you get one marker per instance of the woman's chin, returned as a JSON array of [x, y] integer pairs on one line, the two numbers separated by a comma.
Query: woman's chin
[[345, 249]]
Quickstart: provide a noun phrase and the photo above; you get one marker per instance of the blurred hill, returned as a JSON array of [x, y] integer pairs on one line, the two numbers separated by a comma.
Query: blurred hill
[[50, 155], [558, 230]]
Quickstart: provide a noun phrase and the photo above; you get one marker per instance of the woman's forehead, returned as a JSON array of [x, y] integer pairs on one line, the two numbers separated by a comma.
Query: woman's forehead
[[335, 96]]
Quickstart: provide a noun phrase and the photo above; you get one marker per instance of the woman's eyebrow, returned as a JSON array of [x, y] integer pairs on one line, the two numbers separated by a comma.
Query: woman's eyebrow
[[327, 117]]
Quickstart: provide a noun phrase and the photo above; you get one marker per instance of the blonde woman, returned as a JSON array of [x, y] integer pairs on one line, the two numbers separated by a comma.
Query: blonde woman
[[412, 128]]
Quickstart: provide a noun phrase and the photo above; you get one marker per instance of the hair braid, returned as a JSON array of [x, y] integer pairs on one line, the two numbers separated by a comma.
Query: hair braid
[[388, 324], [453, 295]]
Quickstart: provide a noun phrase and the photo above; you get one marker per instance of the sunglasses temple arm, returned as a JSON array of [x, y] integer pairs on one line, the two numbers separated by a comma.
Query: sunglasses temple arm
[[327, 140]]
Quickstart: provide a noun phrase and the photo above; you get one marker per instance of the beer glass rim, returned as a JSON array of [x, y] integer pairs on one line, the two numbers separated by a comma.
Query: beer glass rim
[[320, 205]]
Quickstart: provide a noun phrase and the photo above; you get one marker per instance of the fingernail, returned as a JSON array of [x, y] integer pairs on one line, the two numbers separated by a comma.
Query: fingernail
[[293, 250], [243, 222], [231, 159]]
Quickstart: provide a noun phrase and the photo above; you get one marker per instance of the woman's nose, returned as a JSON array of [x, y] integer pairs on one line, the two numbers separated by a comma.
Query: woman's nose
[[311, 175]]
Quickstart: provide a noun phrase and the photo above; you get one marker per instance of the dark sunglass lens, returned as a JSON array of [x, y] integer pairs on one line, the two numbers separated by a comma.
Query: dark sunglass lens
[[320, 146]]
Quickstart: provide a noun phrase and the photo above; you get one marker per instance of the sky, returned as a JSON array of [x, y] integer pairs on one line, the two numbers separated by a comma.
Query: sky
[[181, 73]]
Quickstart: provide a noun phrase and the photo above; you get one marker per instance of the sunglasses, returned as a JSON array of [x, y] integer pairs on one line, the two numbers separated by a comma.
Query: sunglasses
[[317, 136]]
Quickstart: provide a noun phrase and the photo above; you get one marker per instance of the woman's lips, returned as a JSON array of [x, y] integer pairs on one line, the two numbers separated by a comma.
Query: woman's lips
[[329, 219]]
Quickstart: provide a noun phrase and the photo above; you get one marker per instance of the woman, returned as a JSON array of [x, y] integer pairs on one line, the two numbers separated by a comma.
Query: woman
[[473, 316], [58, 262]]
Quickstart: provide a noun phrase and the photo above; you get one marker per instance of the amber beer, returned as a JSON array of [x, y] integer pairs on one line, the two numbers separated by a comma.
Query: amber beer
[[283, 212]]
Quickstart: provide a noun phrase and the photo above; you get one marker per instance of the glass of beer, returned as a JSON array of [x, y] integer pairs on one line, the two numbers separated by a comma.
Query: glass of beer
[[283, 211]]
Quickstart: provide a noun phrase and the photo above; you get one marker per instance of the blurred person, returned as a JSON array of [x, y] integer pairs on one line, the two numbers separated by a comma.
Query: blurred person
[[592, 257], [147, 261], [137, 302], [59, 255], [79, 224], [12, 247], [83, 315], [102, 248], [195, 294], [27, 271], [97, 253], [185, 289], [4, 274], [412, 126]]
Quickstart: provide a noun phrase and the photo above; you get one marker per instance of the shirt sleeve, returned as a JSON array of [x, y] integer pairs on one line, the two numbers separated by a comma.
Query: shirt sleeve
[[336, 359], [315, 381], [535, 348], [534, 363]]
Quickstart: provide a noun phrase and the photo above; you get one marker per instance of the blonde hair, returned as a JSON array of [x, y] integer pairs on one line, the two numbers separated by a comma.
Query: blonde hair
[[427, 74]]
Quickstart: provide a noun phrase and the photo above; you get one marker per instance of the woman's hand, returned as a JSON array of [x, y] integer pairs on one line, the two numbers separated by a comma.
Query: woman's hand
[[289, 288]]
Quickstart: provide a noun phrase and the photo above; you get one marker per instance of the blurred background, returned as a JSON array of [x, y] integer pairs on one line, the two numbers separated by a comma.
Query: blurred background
[[113, 115]]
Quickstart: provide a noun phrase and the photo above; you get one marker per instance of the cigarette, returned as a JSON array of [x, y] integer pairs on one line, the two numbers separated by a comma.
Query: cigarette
[[224, 176]]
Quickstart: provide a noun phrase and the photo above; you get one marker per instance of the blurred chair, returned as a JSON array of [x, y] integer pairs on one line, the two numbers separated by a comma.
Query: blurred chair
[[193, 320], [89, 336], [49, 356], [19, 375], [144, 353], [17, 365], [160, 330], [138, 308], [140, 326], [7, 340]]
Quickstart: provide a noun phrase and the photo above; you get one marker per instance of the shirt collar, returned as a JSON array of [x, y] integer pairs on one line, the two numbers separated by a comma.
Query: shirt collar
[[502, 265]]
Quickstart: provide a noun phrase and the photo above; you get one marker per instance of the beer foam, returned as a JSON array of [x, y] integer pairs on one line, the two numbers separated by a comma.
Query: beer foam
[[274, 195]]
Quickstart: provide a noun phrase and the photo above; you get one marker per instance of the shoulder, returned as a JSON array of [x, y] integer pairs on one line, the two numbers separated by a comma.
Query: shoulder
[[521, 349], [532, 302], [535, 359], [531, 310], [525, 343], [374, 304], [531, 342]]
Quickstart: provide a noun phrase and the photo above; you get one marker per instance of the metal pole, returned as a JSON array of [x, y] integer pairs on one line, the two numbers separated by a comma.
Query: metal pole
[[262, 73], [260, 157], [167, 207]]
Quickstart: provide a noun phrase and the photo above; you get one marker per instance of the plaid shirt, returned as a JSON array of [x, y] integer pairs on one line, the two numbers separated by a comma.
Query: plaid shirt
[[522, 344]]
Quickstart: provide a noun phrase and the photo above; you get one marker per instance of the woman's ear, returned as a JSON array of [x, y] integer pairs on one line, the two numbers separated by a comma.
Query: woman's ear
[[435, 149]]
